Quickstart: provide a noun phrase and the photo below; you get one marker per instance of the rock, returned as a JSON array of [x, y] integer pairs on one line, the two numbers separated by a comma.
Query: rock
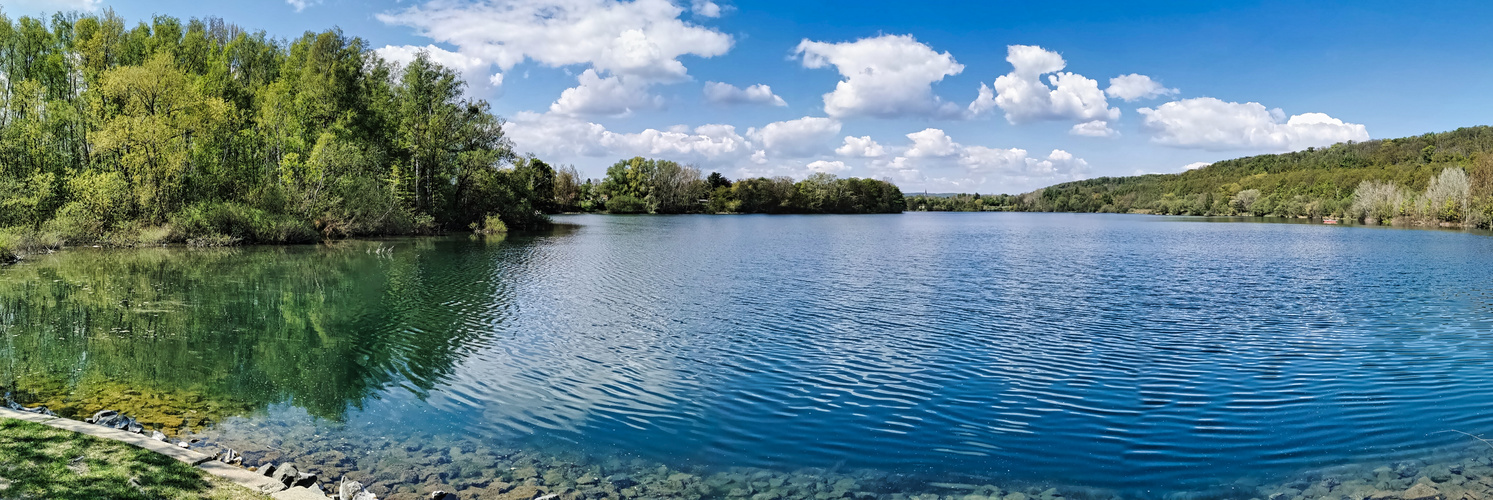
[[1016, 496], [156, 435], [100, 416], [286, 474], [1439, 473], [622, 481], [348, 489], [268, 470], [441, 495], [304, 479], [550, 496], [522, 492], [587, 479], [183, 444], [1420, 491], [364, 495]]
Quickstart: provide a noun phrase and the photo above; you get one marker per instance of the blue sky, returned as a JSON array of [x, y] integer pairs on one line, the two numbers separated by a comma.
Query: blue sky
[[894, 89]]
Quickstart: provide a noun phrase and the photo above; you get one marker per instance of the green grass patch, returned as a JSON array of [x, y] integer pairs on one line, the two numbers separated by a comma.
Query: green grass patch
[[37, 461]]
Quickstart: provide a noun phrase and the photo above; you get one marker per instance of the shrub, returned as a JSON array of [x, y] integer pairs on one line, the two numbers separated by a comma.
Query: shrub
[[626, 204], [16, 241], [365, 206], [241, 223], [1376, 200], [75, 222], [492, 224], [1447, 195], [106, 196]]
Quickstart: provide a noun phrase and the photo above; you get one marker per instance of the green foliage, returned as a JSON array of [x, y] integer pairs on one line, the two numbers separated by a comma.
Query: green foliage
[[641, 185], [626, 204], [109, 133], [1446, 177], [242, 223], [492, 224]]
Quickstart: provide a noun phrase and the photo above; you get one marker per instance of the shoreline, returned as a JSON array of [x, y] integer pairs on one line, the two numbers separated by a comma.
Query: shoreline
[[157, 468], [418, 467]]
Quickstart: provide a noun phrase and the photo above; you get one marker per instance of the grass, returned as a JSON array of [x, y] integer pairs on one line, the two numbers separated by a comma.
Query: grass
[[41, 462]]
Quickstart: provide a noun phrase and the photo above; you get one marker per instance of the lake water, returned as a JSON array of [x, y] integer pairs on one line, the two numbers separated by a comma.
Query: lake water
[[1140, 355]]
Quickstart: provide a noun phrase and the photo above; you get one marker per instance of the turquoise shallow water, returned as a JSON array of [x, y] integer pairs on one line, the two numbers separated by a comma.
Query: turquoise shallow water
[[1127, 352]]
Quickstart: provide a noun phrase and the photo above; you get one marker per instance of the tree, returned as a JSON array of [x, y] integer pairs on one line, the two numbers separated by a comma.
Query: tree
[[716, 180], [567, 189], [155, 125]]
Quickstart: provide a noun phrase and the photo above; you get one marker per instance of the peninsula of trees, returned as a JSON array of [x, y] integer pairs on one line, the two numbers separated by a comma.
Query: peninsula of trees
[[201, 132], [1429, 179]]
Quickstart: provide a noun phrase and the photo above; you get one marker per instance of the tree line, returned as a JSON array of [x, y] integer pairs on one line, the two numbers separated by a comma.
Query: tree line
[[642, 185], [202, 132], [1433, 178]]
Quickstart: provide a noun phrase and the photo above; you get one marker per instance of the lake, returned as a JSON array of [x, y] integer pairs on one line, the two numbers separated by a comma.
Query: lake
[[1136, 356]]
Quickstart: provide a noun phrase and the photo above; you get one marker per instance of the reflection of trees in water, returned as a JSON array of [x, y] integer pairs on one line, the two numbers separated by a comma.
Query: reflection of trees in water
[[322, 327]]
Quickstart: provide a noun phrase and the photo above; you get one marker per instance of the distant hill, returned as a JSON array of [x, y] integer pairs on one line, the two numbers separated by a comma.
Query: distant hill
[[1400, 179]]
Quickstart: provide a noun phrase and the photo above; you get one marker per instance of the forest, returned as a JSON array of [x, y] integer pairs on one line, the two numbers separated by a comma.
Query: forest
[[1429, 179], [203, 133]]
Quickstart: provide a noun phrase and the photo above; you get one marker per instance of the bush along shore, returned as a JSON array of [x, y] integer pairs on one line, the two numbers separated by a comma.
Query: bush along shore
[[425, 466]]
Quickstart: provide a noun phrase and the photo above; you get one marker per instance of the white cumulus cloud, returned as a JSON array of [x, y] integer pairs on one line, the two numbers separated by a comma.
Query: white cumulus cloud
[[471, 69], [1096, 128], [1134, 87], [725, 93], [1214, 124], [801, 138], [829, 167], [1025, 97], [932, 150], [705, 8], [550, 134], [605, 96], [861, 147], [931, 143], [888, 76], [642, 38], [1017, 163], [628, 45]]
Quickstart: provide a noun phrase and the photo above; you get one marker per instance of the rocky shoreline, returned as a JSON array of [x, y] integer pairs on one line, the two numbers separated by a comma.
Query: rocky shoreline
[[421, 467]]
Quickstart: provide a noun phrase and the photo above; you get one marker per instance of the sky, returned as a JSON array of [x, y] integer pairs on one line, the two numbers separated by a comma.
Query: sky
[[987, 97]]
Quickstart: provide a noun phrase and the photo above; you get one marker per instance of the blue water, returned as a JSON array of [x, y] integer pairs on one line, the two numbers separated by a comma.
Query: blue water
[[1116, 351]]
